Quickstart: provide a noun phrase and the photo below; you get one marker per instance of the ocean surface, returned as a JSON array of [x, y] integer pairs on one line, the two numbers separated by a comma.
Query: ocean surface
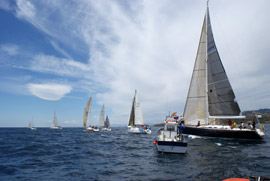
[[72, 154]]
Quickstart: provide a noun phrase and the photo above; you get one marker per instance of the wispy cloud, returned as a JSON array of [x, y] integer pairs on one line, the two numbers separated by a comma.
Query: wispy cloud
[[60, 66], [4, 4], [10, 49], [49, 91]]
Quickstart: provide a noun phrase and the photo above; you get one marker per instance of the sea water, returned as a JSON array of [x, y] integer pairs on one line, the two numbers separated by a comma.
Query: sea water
[[73, 154]]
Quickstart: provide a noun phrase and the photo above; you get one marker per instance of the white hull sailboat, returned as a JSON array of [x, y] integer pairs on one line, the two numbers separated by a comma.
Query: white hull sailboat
[[55, 123], [211, 99], [136, 123], [31, 125], [104, 123], [87, 110], [168, 140]]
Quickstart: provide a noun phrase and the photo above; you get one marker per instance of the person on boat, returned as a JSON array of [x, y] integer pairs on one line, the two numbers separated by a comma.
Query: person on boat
[[253, 123], [242, 125], [199, 123], [180, 129], [230, 122], [250, 126], [234, 125]]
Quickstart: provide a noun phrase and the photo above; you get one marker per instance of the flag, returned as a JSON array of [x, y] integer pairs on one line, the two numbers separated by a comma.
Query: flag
[[173, 114]]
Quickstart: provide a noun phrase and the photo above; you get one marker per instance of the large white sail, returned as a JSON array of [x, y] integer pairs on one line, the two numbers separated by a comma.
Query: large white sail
[[210, 92], [101, 117], [87, 110], [138, 111], [195, 108]]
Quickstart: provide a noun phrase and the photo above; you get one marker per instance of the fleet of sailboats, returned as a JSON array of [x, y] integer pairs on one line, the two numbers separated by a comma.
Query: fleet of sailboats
[[136, 123], [210, 101], [210, 97], [55, 124]]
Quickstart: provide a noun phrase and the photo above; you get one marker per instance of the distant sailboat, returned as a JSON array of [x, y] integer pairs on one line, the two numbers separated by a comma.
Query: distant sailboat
[[105, 124], [210, 97], [55, 123], [87, 110], [136, 123], [31, 125]]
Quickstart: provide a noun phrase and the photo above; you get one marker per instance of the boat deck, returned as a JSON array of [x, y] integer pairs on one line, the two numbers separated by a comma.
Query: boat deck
[[168, 136]]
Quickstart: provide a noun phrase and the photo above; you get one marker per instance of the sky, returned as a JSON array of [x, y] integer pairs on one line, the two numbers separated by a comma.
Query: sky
[[55, 55]]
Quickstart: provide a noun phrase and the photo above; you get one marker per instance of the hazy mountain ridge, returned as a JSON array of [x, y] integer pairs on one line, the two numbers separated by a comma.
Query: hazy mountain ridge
[[264, 112]]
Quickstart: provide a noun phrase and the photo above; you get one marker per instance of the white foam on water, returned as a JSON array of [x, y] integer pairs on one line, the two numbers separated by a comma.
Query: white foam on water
[[219, 144], [194, 136]]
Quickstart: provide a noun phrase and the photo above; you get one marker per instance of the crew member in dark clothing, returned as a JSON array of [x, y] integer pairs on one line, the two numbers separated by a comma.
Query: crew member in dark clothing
[[253, 123]]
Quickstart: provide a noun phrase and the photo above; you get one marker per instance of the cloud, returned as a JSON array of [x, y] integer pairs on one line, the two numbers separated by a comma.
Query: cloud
[[26, 9], [10, 49], [60, 66], [4, 4], [52, 92]]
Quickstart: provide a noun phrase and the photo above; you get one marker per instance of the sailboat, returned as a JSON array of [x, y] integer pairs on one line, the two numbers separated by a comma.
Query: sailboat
[[87, 110], [105, 124], [136, 123], [31, 125], [55, 123], [210, 98]]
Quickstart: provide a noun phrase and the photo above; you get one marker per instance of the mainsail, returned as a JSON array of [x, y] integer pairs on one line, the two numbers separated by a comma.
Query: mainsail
[[210, 92], [136, 117], [87, 110], [101, 116], [221, 98]]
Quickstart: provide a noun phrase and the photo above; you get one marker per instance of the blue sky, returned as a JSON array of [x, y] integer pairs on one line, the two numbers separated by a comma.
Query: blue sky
[[54, 55]]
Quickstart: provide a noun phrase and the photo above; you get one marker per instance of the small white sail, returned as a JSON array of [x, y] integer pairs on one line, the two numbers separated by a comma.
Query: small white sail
[[101, 117], [136, 116], [55, 122], [87, 110]]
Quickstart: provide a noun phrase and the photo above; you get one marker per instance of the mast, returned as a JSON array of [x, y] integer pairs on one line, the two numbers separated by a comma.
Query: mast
[[206, 65]]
